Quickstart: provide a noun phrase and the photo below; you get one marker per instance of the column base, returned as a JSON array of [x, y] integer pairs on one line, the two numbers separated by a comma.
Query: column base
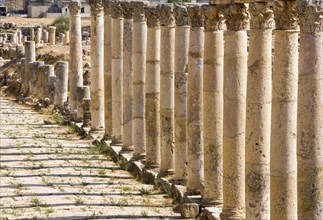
[[116, 141], [138, 156], [127, 148], [231, 213], [151, 165], [166, 173], [212, 202], [181, 182], [106, 137]]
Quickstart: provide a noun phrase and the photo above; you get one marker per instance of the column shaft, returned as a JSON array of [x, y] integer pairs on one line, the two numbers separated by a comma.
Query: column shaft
[[61, 83], [30, 55]]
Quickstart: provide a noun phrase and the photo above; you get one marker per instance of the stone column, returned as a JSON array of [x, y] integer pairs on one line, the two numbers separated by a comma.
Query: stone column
[[23, 74], [258, 116], [61, 82], [24, 39], [52, 88], [213, 104], [35, 68], [195, 157], [66, 40], [31, 34], [234, 109], [127, 137], [97, 71], [283, 165], [45, 36], [48, 74], [107, 70], [182, 33], [61, 37], [139, 45], [30, 55], [38, 36], [153, 88], [167, 75], [82, 92], [86, 111], [76, 60], [117, 72], [52, 35], [310, 114], [40, 82], [19, 37]]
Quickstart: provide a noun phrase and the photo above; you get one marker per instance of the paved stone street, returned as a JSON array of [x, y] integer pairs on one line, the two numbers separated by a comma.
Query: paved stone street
[[48, 172]]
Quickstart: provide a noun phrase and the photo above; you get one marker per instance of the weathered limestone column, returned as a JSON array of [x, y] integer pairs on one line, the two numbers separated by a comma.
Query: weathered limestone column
[[31, 34], [182, 33], [117, 72], [61, 82], [283, 161], [234, 109], [40, 82], [35, 68], [310, 113], [139, 45], [52, 35], [30, 55], [86, 111], [76, 60], [258, 118], [45, 36], [153, 88], [213, 104], [52, 88], [127, 137], [19, 37], [48, 74], [195, 157], [82, 92], [107, 69], [66, 39], [23, 74], [61, 37], [24, 39], [167, 84], [38, 36], [97, 70]]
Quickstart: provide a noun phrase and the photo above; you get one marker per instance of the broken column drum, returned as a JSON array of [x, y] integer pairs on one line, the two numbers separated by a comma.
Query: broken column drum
[[61, 70]]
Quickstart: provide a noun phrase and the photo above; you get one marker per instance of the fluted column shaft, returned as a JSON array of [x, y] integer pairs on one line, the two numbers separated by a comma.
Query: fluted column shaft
[[310, 114], [76, 60], [213, 104], [153, 88], [182, 33], [167, 116], [234, 117], [195, 157], [97, 71]]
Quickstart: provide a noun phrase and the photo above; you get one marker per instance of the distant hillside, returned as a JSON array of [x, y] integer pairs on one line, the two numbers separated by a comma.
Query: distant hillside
[[14, 4]]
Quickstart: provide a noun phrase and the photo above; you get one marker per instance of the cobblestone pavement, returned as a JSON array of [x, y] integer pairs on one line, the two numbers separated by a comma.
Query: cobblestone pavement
[[47, 172]]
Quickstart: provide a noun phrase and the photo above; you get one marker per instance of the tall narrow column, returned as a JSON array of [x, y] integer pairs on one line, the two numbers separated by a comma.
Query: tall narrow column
[[23, 74], [48, 73], [213, 104], [310, 114], [66, 40], [127, 77], [76, 60], [234, 117], [38, 35], [45, 36], [195, 157], [153, 88], [52, 35], [167, 75], [97, 71], [61, 82], [258, 118], [31, 34], [117, 71], [30, 55], [107, 70], [35, 71], [182, 33], [283, 165], [139, 45]]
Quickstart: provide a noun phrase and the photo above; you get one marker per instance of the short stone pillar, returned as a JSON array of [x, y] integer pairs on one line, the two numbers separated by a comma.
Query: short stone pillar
[[213, 104], [35, 68], [182, 33], [49, 84], [45, 36], [258, 118], [283, 159], [167, 84], [38, 36], [76, 60], [195, 157], [61, 38], [139, 45], [19, 36], [52, 88], [97, 71], [152, 88], [30, 55], [43, 77], [86, 103], [310, 114], [117, 72], [66, 39], [107, 70], [22, 74], [31, 34], [61, 83], [52, 35], [234, 109], [82, 92], [127, 135]]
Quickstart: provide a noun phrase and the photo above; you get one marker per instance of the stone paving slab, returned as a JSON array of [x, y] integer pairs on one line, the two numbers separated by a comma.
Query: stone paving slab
[[48, 172]]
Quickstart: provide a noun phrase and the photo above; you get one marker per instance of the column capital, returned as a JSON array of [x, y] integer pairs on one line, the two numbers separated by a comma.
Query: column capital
[[51, 29], [127, 10], [262, 17], [152, 15], [285, 15], [96, 6], [181, 15], [213, 17], [195, 16], [237, 16], [166, 14], [116, 9], [138, 11], [107, 7], [74, 7], [310, 17]]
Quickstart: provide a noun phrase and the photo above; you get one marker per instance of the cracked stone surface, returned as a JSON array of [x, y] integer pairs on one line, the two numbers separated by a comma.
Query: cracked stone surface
[[47, 172]]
